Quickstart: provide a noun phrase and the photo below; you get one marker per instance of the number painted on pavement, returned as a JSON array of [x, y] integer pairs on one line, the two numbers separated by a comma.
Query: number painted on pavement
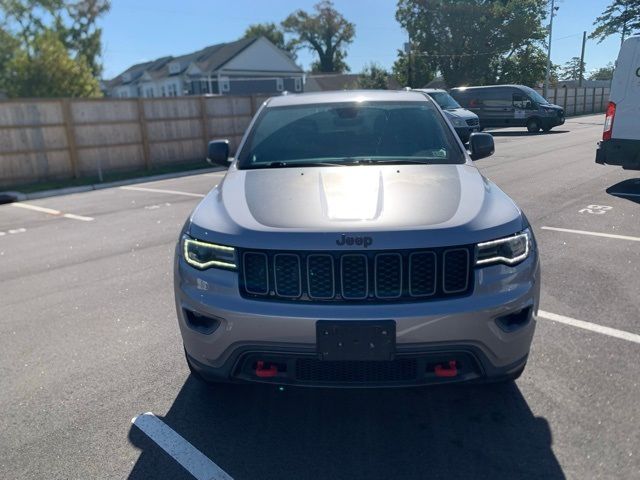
[[596, 209]]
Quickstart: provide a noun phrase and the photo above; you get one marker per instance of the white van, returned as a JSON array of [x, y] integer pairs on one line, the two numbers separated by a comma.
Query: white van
[[620, 143]]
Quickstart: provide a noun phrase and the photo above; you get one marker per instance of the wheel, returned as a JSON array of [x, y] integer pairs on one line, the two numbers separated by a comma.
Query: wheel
[[533, 126]]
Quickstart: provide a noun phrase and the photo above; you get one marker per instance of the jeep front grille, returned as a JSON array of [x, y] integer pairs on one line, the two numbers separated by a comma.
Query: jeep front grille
[[360, 276]]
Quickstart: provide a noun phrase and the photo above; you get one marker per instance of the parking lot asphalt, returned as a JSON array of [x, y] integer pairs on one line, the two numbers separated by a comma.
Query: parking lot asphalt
[[89, 341]]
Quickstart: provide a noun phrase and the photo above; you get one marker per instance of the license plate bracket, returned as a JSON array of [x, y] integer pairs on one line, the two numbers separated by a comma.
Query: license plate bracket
[[372, 340]]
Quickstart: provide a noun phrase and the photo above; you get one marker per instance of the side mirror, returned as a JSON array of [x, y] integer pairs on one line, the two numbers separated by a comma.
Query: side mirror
[[481, 145], [218, 152]]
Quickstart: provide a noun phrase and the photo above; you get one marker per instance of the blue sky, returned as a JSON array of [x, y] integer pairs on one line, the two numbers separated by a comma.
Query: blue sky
[[140, 30]]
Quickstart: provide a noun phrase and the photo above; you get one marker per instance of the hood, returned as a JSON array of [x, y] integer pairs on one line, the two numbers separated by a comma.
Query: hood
[[443, 203], [461, 113]]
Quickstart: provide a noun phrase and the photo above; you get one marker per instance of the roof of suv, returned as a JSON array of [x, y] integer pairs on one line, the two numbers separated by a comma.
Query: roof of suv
[[430, 90], [347, 96]]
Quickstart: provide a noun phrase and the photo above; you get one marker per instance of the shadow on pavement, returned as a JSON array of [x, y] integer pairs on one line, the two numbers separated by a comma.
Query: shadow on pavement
[[259, 432], [522, 133], [629, 189]]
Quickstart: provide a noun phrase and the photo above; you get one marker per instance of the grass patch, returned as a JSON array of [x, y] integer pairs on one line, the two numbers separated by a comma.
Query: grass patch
[[107, 177]]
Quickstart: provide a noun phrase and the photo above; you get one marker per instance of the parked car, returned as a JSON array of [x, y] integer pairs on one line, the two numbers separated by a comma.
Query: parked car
[[510, 106], [620, 143], [352, 242], [464, 121]]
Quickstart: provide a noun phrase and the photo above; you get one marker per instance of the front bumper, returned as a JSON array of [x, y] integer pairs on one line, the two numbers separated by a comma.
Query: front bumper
[[465, 329], [552, 121], [465, 132]]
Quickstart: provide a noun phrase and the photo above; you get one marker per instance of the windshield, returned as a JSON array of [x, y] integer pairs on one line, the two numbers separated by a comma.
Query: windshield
[[535, 96], [348, 133], [445, 100]]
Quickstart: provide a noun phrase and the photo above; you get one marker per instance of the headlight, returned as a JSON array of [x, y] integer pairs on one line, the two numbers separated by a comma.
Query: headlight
[[508, 250], [458, 122], [205, 255]]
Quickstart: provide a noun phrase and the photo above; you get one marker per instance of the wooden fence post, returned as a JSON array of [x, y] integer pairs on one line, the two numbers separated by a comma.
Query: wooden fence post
[[70, 135], [564, 100], [205, 122], [144, 134], [601, 99], [593, 100]]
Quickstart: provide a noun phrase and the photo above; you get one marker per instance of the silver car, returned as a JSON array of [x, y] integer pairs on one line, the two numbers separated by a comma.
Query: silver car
[[464, 121], [353, 243]]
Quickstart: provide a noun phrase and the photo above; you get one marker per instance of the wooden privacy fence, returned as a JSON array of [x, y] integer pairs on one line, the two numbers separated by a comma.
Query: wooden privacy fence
[[56, 139], [63, 138], [578, 101]]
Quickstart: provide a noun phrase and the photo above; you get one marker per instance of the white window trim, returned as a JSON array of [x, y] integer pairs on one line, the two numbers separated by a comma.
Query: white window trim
[[279, 84], [225, 84], [297, 84]]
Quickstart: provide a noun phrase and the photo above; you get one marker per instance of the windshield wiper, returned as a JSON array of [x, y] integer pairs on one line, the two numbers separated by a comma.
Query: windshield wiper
[[300, 164], [409, 162]]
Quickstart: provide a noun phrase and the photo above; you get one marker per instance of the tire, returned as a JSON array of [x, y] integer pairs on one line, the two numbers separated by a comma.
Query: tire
[[546, 129], [533, 125]]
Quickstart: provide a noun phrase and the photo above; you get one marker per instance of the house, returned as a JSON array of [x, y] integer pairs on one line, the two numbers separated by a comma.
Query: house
[[246, 66]]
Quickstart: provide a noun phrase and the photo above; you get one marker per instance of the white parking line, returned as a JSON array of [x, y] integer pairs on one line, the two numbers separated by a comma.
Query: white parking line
[[77, 217], [159, 190], [192, 459], [36, 208], [593, 327], [51, 211], [595, 234]]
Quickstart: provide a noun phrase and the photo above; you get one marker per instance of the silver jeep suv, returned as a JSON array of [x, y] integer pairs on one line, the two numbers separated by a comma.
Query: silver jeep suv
[[353, 242]]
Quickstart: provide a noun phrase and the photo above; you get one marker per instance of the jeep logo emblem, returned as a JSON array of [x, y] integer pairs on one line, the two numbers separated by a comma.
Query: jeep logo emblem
[[360, 241]]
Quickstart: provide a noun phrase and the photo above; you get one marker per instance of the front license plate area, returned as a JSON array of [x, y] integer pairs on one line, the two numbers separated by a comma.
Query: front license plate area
[[373, 340]]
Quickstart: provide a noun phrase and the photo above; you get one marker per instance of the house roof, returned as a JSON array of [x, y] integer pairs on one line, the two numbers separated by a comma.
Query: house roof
[[208, 59]]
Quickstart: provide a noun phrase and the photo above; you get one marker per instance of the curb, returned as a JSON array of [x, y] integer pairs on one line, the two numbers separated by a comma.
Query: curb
[[10, 197]]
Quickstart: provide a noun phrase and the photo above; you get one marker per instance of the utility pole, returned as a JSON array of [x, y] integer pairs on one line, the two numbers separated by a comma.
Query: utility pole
[[581, 77], [407, 50], [548, 74]]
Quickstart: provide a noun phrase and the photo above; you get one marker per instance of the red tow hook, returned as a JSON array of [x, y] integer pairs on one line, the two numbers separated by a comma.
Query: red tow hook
[[451, 371], [262, 372]]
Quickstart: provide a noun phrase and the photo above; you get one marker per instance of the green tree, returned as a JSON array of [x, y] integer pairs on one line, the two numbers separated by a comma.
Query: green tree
[[603, 73], [274, 34], [29, 18], [82, 36], [326, 32], [8, 48], [527, 66], [49, 71], [620, 17], [466, 39], [415, 75], [373, 76], [74, 22], [571, 70]]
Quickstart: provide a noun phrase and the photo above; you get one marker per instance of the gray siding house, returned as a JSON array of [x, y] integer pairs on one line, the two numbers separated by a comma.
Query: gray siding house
[[246, 66]]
